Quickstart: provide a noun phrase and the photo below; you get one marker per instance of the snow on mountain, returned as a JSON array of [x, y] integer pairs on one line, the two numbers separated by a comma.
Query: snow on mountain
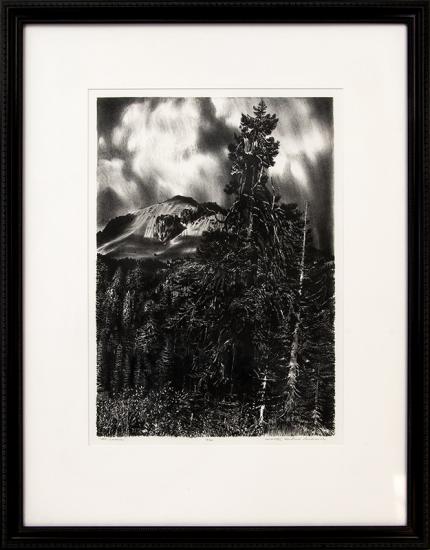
[[133, 236], [144, 221], [196, 228]]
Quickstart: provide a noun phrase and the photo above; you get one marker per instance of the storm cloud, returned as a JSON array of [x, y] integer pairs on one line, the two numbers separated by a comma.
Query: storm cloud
[[150, 149]]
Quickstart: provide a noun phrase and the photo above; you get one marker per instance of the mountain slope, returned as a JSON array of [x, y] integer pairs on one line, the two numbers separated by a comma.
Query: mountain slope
[[135, 235]]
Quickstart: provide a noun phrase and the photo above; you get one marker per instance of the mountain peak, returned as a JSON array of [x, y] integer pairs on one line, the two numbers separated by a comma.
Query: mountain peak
[[181, 198], [135, 234]]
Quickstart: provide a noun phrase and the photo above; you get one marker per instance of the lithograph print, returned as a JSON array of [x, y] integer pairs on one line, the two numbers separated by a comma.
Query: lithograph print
[[215, 298]]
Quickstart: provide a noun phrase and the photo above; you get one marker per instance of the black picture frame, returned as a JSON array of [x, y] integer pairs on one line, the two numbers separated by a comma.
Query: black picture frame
[[415, 16]]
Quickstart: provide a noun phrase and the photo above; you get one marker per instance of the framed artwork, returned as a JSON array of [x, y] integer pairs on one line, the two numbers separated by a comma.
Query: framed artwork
[[215, 285]]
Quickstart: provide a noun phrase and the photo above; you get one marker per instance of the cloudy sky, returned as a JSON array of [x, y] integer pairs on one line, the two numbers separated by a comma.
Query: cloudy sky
[[150, 149]]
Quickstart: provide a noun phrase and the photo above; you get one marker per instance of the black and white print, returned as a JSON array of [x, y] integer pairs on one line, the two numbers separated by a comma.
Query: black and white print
[[215, 299]]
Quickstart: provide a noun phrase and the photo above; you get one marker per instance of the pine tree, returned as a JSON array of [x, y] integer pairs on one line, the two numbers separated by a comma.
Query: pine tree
[[165, 362], [126, 371], [101, 288], [116, 382], [145, 346], [252, 154], [101, 371], [292, 393], [317, 349], [127, 309], [113, 300]]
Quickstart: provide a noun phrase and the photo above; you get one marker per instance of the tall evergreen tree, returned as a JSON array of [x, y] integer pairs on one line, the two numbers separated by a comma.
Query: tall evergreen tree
[[292, 392], [252, 153]]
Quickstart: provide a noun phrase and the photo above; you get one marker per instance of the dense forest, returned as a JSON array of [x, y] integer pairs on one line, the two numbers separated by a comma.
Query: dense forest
[[236, 339]]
